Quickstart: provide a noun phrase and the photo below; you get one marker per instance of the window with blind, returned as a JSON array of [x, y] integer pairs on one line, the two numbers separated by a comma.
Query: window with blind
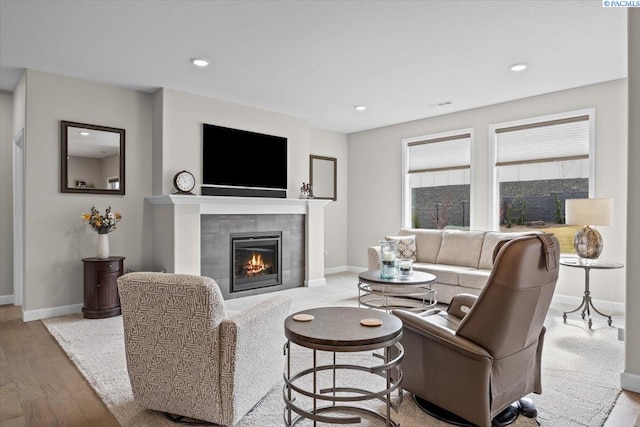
[[437, 180], [538, 165]]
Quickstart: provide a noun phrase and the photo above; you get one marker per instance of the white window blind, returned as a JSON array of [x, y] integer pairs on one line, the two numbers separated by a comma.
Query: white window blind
[[431, 155], [564, 139]]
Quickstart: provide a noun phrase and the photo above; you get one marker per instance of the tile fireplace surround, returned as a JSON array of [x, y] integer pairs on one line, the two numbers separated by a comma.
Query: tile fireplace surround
[[177, 234]]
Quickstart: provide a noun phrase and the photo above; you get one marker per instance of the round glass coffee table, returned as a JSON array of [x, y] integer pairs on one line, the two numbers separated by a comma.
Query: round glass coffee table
[[313, 393], [411, 293]]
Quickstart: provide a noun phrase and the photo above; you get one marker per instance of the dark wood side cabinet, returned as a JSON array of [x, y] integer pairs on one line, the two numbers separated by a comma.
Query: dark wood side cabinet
[[101, 297]]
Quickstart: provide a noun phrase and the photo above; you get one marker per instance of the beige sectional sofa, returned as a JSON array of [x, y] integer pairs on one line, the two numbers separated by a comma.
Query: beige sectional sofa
[[460, 260]]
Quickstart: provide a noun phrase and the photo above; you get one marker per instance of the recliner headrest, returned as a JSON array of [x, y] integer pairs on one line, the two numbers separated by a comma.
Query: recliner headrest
[[548, 246]]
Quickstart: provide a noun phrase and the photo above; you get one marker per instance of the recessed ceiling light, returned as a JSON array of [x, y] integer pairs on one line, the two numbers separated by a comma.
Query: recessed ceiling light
[[360, 107], [84, 133], [199, 62], [518, 67]]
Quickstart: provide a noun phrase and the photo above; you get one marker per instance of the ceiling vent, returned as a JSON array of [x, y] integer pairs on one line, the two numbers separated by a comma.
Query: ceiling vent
[[440, 104]]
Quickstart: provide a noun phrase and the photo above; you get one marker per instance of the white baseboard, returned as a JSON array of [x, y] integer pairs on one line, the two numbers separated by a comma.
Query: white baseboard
[[352, 269], [602, 305], [629, 381], [6, 299], [315, 282], [335, 270], [44, 313]]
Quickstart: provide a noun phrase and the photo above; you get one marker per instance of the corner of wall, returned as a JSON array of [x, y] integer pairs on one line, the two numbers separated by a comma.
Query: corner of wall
[[157, 118]]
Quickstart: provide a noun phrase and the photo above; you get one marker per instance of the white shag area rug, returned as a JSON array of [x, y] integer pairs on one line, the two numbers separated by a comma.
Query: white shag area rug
[[580, 379]]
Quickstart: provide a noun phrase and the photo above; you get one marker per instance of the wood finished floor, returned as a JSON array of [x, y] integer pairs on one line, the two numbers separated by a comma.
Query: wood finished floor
[[40, 386]]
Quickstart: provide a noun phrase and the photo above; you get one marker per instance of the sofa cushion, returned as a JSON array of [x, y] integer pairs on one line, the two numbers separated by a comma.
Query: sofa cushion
[[446, 274], [491, 240], [427, 243], [460, 248], [406, 245], [476, 279]]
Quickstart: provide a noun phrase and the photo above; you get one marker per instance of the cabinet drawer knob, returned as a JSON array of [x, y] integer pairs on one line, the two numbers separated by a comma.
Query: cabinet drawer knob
[[109, 265], [97, 286]]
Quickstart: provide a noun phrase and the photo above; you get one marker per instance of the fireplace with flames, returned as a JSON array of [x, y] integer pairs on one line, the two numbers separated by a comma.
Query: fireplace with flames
[[256, 260]]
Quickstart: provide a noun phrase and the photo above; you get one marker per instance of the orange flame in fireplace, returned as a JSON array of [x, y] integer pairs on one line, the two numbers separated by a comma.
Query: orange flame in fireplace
[[255, 265]]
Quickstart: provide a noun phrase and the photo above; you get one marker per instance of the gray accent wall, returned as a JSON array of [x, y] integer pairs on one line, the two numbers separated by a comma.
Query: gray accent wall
[[215, 248]]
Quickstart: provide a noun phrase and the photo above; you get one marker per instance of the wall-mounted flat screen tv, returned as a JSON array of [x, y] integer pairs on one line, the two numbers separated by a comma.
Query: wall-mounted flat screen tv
[[239, 158]]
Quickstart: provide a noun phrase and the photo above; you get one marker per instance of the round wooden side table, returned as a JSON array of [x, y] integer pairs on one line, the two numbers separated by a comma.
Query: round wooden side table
[[339, 330]]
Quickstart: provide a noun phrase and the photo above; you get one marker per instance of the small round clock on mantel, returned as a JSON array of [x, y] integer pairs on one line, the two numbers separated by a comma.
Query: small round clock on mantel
[[184, 182]]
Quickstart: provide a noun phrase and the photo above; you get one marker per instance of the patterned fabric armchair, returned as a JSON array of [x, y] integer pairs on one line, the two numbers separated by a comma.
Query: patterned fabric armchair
[[186, 356]]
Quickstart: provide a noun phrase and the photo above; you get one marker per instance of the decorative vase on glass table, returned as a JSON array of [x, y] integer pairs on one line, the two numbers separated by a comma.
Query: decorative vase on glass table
[[103, 225], [405, 267], [388, 256]]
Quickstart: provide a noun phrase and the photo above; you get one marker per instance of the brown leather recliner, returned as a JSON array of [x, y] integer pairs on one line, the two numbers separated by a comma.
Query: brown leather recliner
[[484, 352]]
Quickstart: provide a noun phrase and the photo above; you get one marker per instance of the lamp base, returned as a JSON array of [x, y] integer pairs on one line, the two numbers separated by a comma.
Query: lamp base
[[588, 243]]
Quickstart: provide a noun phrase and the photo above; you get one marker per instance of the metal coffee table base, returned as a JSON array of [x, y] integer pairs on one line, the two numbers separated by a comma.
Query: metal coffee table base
[[412, 293], [334, 399]]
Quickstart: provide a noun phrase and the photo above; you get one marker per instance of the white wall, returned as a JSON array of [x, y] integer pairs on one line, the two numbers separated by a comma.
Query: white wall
[[631, 376], [334, 144], [56, 237], [181, 135], [163, 136], [6, 206], [374, 173]]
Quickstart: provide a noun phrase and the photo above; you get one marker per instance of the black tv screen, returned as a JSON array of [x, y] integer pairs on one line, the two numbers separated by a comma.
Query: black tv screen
[[239, 158]]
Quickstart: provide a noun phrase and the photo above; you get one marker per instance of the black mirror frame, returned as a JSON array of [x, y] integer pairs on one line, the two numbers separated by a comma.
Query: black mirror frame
[[335, 176], [64, 188]]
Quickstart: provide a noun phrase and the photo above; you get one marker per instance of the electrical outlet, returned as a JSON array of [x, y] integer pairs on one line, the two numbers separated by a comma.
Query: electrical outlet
[[620, 334]]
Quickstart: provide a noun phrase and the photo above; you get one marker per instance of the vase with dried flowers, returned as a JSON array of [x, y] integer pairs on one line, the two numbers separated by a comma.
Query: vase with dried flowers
[[103, 225]]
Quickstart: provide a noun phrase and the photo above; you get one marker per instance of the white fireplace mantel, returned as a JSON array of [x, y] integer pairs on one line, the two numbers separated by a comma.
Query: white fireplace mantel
[[176, 228], [217, 205]]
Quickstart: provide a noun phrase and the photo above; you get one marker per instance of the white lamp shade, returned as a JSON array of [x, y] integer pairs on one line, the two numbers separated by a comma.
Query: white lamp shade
[[588, 211]]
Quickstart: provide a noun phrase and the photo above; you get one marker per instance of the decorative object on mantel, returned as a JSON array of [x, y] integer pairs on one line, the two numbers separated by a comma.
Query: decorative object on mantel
[[103, 225], [184, 182], [306, 192]]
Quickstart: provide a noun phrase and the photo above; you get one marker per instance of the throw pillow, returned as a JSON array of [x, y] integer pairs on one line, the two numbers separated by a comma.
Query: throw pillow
[[406, 245]]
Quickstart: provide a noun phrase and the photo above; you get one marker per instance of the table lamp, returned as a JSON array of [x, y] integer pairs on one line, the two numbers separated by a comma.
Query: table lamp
[[586, 212]]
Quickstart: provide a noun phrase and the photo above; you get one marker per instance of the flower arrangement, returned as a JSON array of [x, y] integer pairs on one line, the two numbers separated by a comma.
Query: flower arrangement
[[102, 224]]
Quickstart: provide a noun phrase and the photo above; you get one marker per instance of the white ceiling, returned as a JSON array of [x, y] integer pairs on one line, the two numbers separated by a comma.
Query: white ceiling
[[318, 59]]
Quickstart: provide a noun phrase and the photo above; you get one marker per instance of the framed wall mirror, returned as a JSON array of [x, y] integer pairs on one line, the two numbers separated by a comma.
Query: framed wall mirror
[[323, 177], [92, 159]]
